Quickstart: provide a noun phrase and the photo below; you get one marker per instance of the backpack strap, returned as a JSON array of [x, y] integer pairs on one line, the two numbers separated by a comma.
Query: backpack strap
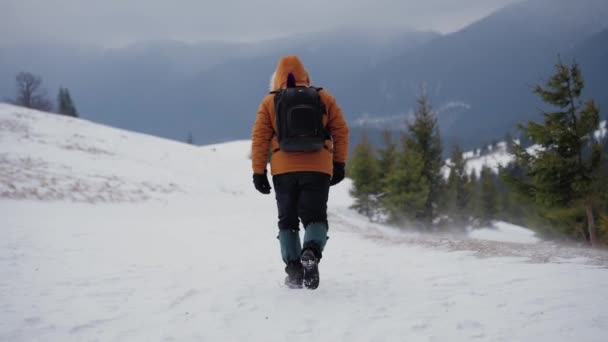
[[275, 98], [326, 131]]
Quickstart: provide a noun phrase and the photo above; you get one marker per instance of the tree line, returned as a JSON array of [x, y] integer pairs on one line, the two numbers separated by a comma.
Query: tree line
[[31, 94], [556, 182]]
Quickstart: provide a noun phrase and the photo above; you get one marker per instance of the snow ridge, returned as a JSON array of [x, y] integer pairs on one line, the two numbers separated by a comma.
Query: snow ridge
[[193, 256], [52, 157]]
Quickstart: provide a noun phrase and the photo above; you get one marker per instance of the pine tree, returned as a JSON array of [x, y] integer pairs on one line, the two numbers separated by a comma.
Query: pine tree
[[190, 138], [474, 187], [363, 170], [506, 204], [488, 196], [65, 104], [406, 189], [458, 192], [388, 157], [426, 142], [565, 168], [519, 208], [603, 198]]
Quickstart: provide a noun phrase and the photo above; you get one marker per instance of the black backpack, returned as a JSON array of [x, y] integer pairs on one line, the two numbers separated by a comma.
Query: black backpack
[[300, 114]]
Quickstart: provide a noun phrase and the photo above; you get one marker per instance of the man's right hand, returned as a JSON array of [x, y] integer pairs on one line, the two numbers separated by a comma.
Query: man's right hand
[[338, 173]]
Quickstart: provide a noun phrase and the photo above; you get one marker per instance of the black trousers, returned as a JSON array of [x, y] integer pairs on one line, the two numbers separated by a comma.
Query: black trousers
[[301, 196]]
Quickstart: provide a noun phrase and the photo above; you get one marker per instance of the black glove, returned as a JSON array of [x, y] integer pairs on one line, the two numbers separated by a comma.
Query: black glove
[[261, 183], [338, 173]]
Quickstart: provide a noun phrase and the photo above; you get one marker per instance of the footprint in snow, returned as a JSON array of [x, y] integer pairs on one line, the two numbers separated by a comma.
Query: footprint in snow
[[189, 294]]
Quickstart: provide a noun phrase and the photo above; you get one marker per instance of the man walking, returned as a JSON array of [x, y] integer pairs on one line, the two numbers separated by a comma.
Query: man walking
[[305, 132]]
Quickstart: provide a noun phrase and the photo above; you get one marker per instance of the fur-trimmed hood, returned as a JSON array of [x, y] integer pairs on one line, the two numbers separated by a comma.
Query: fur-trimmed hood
[[289, 64], [290, 70]]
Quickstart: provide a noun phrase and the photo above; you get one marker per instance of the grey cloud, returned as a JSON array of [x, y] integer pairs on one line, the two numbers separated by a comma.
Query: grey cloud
[[112, 22]]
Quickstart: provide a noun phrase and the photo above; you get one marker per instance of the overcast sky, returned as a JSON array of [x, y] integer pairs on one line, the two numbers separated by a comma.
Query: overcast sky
[[118, 22]]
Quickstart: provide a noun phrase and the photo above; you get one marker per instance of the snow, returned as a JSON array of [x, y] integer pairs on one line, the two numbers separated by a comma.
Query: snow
[[498, 156], [602, 131], [56, 157], [506, 232], [494, 160], [109, 235]]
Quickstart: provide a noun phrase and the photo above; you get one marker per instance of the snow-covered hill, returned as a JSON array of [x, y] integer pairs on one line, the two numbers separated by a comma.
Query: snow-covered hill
[[497, 155], [109, 235]]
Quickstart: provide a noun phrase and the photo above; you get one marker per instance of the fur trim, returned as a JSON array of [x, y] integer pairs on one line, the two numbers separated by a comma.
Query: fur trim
[[271, 81]]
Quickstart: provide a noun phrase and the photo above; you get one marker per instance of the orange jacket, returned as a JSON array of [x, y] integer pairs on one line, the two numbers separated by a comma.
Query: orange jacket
[[264, 139]]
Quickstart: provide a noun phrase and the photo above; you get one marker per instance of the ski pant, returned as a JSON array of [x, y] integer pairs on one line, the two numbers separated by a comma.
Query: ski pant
[[302, 196]]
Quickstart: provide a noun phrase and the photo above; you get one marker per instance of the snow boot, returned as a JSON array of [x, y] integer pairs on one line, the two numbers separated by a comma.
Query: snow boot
[[310, 265], [315, 238], [295, 275], [291, 250]]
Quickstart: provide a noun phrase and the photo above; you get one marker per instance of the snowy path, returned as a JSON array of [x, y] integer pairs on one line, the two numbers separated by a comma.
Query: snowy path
[[168, 272], [199, 261], [484, 243]]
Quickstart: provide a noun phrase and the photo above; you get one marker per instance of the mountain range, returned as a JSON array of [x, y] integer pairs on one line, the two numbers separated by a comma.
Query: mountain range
[[479, 79]]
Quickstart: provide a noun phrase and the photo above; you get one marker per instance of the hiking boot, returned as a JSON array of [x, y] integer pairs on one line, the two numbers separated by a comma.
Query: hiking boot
[[294, 275], [310, 264]]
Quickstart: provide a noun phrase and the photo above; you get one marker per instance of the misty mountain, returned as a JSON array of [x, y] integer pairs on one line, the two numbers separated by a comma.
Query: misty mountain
[[480, 78], [593, 56], [169, 88], [233, 91]]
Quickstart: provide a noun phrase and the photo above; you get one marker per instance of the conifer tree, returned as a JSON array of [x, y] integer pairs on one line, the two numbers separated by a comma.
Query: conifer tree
[[506, 205], [65, 105], [190, 138], [458, 190], [564, 171], [603, 198], [473, 208], [406, 188], [425, 141], [387, 157], [363, 170], [488, 195]]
